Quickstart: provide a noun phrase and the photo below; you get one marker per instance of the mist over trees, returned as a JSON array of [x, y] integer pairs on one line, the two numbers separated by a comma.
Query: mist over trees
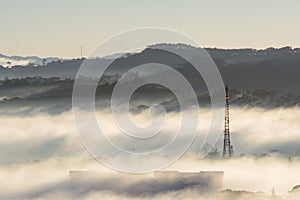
[[243, 69]]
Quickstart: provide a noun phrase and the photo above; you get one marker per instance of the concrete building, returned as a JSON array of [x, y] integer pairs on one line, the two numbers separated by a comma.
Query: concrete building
[[158, 182]]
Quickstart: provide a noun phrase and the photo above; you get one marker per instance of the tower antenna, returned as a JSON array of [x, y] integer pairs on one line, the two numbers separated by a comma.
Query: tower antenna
[[227, 148]]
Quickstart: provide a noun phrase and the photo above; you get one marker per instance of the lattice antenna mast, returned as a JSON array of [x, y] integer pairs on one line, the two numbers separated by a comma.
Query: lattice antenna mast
[[227, 148]]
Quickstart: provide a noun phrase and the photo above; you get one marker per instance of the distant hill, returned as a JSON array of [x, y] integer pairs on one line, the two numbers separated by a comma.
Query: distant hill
[[9, 61], [234, 56], [243, 69], [53, 95]]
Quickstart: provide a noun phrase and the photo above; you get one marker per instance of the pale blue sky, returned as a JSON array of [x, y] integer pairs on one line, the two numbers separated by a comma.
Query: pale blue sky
[[59, 27]]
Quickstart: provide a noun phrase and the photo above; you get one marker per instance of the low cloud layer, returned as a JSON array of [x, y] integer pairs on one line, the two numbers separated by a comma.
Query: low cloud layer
[[37, 153]]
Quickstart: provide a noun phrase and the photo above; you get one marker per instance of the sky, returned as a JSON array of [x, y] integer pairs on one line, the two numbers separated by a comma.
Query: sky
[[59, 27]]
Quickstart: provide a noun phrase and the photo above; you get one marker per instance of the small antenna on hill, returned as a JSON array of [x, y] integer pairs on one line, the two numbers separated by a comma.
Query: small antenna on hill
[[81, 51]]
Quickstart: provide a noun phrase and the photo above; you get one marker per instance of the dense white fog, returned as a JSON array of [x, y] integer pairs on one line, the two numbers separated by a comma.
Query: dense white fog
[[38, 151]]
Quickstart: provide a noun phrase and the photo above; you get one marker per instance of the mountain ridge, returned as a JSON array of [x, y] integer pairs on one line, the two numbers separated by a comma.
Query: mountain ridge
[[244, 69], [213, 51]]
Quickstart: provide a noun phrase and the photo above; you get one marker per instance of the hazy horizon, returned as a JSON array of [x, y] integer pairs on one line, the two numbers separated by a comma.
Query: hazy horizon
[[220, 48]]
